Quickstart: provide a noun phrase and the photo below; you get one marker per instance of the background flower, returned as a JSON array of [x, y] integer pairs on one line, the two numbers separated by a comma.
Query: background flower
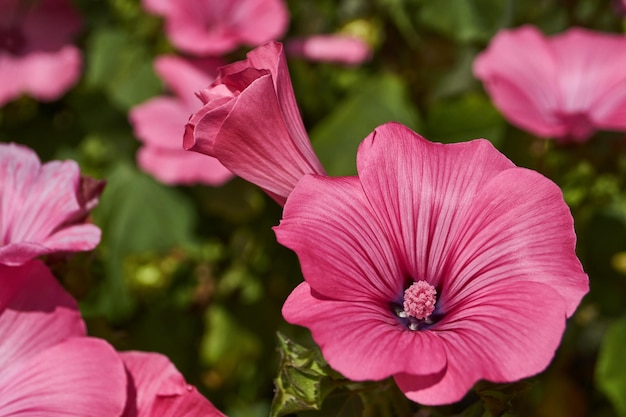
[[43, 206], [566, 86], [48, 365], [214, 27], [35, 51], [343, 49], [431, 267], [160, 122]]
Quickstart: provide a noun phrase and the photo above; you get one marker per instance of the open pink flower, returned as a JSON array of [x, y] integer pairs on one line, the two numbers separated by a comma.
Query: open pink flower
[[251, 123], [43, 207], [341, 49], [565, 87], [157, 389], [160, 122], [36, 56], [49, 367], [439, 265], [215, 27]]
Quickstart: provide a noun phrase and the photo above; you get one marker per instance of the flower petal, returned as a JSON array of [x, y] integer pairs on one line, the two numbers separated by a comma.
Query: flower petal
[[81, 376], [35, 313], [503, 332], [363, 340], [343, 251], [418, 191]]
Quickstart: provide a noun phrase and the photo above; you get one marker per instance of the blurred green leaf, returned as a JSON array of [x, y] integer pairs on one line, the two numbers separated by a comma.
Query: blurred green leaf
[[463, 118], [378, 100], [298, 386], [136, 214], [611, 366], [465, 20], [122, 67]]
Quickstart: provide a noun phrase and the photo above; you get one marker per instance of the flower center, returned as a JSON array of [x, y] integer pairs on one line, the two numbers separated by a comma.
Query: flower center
[[12, 41], [419, 300]]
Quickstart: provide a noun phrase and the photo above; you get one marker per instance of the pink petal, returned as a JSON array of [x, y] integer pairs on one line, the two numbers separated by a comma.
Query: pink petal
[[35, 313], [76, 238], [215, 28], [520, 232], [186, 76], [158, 389], [50, 24], [502, 332], [341, 49], [160, 122], [78, 377], [172, 166], [344, 253], [417, 189], [363, 340]]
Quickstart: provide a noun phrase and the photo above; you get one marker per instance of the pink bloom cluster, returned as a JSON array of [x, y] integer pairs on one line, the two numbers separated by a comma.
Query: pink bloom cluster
[[438, 265], [159, 123], [35, 50], [50, 367], [565, 87]]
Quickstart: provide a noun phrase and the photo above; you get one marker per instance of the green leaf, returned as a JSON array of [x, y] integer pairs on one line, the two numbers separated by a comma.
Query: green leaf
[[122, 67], [463, 118], [379, 100], [465, 20], [611, 366], [299, 385], [136, 214]]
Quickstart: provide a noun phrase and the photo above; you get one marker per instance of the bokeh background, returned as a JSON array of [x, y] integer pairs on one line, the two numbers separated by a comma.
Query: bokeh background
[[195, 272]]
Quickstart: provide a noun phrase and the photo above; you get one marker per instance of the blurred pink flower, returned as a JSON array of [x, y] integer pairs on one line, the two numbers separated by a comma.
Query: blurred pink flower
[[215, 27], [160, 122], [251, 123], [43, 207], [439, 265], [157, 389], [341, 49], [49, 367], [36, 57], [564, 87]]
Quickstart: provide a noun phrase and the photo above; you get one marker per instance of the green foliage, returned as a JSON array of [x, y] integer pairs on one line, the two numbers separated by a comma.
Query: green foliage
[[378, 100], [611, 367]]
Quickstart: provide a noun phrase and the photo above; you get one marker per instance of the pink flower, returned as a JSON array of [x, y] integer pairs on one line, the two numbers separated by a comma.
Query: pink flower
[[250, 122], [43, 207], [566, 86], [36, 57], [439, 265], [160, 122], [341, 49], [215, 27], [157, 389], [49, 367]]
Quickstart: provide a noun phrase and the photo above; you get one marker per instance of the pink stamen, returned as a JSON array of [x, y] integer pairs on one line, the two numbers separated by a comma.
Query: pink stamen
[[420, 299]]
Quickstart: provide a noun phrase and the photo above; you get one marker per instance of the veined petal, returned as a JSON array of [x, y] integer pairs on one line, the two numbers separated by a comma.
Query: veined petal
[[517, 228], [255, 143], [501, 333], [420, 191], [157, 389], [79, 377], [35, 313], [343, 250], [363, 340]]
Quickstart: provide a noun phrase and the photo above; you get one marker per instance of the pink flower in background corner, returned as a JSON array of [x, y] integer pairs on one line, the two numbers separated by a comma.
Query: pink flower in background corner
[[49, 366], [251, 123], [156, 388], [160, 122], [36, 57], [43, 207], [215, 27], [342, 49], [565, 87], [431, 267]]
